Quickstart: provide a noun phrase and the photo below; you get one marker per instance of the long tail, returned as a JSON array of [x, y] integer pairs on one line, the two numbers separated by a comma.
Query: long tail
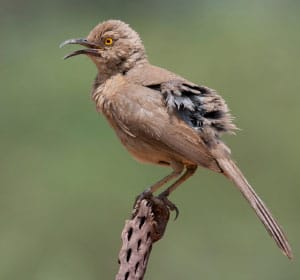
[[234, 174]]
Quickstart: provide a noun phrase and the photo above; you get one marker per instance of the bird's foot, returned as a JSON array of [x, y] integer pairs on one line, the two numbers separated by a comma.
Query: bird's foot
[[146, 194], [164, 198]]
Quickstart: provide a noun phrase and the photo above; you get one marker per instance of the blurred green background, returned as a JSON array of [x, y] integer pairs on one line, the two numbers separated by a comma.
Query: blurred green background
[[66, 183]]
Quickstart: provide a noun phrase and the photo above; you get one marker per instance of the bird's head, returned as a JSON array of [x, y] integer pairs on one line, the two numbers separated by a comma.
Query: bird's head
[[112, 45]]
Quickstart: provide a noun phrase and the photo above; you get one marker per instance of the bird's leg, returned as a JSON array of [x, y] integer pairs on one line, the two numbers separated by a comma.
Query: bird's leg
[[177, 170], [190, 170]]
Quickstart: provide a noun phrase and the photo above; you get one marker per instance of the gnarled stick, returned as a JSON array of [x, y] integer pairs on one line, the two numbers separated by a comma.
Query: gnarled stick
[[147, 225]]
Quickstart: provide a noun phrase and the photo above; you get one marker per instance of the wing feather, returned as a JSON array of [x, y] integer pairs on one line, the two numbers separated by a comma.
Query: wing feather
[[143, 113]]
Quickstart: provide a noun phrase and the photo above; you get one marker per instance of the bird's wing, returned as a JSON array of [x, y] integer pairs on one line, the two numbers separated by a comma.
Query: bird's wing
[[140, 111], [199, 107]]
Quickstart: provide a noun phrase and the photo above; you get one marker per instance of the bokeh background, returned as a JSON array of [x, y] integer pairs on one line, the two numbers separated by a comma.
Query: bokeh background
[[66, 183]]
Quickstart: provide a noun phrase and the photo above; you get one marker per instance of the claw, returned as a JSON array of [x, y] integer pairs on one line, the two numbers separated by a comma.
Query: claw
[[145, 194], [164, 198]]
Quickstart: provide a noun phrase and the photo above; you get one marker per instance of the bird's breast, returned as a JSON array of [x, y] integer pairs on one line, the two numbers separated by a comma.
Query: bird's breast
[[104, 94]]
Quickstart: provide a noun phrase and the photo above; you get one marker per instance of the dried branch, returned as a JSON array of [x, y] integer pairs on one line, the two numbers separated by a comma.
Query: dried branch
[[146, 226]]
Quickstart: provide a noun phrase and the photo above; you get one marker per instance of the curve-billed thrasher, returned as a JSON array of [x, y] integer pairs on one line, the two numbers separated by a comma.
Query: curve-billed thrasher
[[162, 118]]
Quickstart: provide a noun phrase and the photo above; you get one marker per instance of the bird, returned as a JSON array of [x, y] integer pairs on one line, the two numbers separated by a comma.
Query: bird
[[162, 118]]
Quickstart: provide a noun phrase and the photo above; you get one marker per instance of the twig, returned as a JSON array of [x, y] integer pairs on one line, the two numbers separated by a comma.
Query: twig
[[146, 226]]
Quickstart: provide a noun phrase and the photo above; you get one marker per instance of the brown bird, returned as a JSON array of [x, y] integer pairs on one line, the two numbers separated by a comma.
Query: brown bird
[[162, 118]]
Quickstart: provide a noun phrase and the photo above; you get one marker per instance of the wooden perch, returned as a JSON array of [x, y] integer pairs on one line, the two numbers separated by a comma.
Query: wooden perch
[[146, 226]]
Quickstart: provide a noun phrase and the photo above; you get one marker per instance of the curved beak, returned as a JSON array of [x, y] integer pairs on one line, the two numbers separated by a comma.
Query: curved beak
[[92, 49]]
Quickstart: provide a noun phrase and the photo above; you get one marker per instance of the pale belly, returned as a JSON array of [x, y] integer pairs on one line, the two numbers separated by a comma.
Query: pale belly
[[150, 151]]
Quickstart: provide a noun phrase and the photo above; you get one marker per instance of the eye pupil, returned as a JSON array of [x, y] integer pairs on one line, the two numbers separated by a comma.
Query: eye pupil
[[108, 41]]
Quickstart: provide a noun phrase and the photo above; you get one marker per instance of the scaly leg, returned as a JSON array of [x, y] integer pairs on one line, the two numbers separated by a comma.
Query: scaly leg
[[190, 170], [177, 170]]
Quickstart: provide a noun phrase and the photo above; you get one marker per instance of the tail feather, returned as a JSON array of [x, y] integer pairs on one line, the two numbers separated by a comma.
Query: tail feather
[[234, 174]]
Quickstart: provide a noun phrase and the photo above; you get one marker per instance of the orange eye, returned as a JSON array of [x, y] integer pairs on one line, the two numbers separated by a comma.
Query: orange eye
[[108, 41]]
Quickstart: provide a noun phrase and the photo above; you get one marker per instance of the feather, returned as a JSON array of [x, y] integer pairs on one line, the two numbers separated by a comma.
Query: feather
[[234, 174]]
